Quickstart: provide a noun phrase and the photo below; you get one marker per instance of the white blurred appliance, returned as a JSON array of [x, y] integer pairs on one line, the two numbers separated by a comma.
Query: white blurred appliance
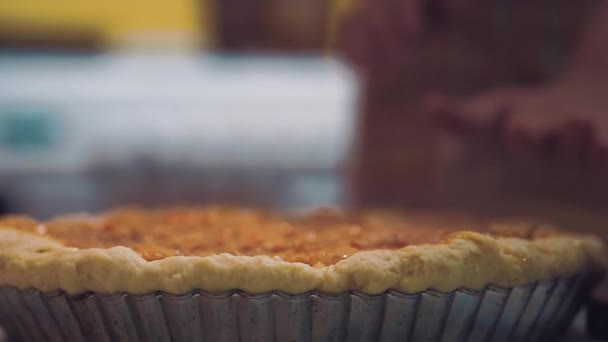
[[84, 132]]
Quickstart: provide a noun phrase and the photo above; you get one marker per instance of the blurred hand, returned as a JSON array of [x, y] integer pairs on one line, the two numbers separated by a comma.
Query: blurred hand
[[558, 117], [459, 45]]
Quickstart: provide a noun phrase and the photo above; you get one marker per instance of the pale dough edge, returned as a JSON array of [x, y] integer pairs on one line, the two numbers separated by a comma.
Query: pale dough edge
[[463, 260]]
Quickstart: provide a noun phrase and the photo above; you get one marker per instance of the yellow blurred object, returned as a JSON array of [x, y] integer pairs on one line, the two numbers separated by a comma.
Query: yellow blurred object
[[339, 10], [116, 22]]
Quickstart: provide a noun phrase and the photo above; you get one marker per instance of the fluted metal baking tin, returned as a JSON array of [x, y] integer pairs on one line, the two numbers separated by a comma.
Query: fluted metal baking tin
[[535, 312]]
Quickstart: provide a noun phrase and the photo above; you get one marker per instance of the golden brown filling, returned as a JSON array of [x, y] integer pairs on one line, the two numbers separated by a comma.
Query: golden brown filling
[[319, 239]]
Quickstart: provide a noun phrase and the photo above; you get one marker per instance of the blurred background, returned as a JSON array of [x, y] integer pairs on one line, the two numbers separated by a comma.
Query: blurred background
[[491, 106], [495, 107]]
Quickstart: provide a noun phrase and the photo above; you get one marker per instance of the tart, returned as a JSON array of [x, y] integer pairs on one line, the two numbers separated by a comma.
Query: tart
[[141, 251], [213, 252]]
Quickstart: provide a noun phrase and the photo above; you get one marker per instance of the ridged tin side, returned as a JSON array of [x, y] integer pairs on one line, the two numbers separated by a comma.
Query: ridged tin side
[[330, 317], [533, 312], [220, 318], [255, 317], [41, 314], [90, 317], [560, 289], [118, 319], [28, 328], [463, 311], [488, 313], [534, 307], [568, 306], [59, 305], [16, 327], [293, 317], [147, 312], [433, 311], [513, 308], [366, 316], [183, 317], [399, 313]]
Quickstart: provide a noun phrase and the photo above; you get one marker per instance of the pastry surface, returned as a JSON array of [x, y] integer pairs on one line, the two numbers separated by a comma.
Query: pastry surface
[[220, 248]]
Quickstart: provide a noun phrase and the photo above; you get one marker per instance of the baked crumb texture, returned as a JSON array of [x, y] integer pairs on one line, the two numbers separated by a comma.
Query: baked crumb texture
[[506, 255]]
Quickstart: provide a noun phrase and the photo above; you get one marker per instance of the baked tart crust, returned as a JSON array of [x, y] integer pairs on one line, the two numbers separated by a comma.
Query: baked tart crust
[[181, 249]]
